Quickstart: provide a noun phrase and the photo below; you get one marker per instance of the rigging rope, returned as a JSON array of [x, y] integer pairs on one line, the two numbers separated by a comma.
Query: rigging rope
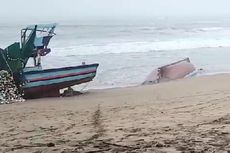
[[84, 87]]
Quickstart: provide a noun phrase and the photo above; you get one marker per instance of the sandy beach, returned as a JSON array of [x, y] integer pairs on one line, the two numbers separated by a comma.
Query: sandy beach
[[188, 115]]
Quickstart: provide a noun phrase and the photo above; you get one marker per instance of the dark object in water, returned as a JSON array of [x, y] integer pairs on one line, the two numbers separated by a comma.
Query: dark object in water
[[50, 144], [169, 72]]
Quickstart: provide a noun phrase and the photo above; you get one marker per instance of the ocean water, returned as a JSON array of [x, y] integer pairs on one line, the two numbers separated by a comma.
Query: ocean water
[[127, 50]]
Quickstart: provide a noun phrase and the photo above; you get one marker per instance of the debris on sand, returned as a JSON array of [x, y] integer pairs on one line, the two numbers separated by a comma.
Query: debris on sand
[[70, 92], [9, 92]]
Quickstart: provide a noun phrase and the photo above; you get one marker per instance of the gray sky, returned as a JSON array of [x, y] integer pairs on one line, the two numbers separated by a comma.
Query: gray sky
[[112, 8]]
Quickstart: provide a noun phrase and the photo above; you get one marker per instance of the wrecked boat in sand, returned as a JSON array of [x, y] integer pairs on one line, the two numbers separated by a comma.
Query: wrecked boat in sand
[[173, 71]]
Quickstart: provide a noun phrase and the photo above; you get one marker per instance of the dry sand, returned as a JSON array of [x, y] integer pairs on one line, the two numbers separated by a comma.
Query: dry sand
[[191, 115]]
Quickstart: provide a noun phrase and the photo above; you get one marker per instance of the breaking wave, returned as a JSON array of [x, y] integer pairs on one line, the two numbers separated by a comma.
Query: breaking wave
[[129, 47]]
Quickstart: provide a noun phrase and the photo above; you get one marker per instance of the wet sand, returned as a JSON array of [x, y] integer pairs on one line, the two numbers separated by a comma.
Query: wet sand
[[190, 115]]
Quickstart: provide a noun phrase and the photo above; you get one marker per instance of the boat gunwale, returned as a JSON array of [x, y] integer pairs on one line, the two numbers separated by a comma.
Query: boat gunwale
[[62, 68], [83, 80], [61, 76]]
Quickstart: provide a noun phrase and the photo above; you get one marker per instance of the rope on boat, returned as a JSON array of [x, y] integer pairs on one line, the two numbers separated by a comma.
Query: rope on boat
[[12, 59], [84, 87]]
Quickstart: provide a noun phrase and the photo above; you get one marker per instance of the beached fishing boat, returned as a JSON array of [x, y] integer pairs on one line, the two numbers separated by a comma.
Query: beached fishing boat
[[36, 82], [47, 83], [172, 71]]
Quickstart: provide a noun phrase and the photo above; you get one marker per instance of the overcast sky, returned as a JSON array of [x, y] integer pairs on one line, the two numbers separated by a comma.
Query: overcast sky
[[112, 8]]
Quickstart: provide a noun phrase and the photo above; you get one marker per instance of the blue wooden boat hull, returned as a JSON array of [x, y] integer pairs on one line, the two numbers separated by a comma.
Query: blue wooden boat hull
[[47, 83]]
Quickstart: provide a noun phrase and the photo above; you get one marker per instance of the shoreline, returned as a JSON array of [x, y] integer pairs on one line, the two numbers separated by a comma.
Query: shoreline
[[140, 84]]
